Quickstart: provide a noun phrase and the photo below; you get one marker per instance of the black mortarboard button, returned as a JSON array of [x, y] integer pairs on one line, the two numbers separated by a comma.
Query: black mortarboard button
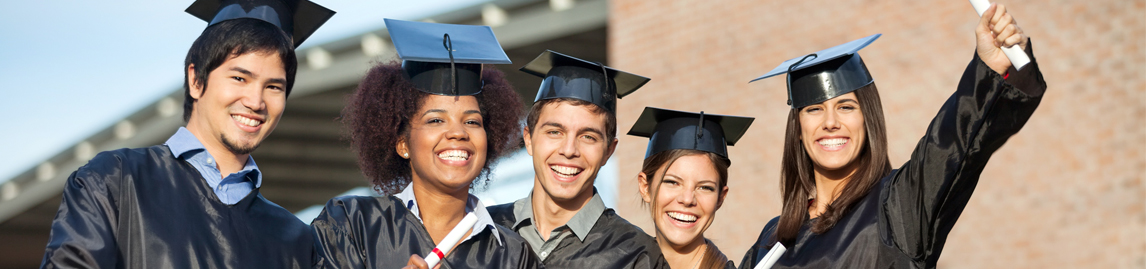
[[569, 77], [445, 59], [820, 76], [672, 129], [298, 18]]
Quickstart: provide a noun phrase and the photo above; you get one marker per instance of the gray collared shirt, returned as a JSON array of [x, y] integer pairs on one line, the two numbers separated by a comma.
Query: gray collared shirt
[[579, 226], [472, 205]]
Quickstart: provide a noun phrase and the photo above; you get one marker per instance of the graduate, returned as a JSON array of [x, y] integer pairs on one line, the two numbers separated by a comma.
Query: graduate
[[570, 134], [684, 180], [843, 204], [194, 201], [425, 131]]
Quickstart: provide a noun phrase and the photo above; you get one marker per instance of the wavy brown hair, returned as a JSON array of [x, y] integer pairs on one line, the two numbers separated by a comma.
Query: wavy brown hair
[[712, 257], [798, 180], [377, 115]]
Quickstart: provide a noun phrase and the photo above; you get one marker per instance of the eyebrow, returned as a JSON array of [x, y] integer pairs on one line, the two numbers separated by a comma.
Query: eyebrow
[[849, 100], [438, 110]]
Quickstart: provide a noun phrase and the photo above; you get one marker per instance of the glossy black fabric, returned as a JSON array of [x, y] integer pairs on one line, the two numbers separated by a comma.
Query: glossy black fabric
[[378, 232], [144, 208], [904, 221], [612, 243]]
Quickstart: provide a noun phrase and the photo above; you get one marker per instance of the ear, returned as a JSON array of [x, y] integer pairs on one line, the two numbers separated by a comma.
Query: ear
[[643, 186], [193, 83], [723, 194], [402, 148], [528, 140], [609, 152]]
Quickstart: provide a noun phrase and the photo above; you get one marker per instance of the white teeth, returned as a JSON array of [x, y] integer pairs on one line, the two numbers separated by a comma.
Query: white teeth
[[246, 121], [565, 170], [833, 142], [454, 155], [682, 217]]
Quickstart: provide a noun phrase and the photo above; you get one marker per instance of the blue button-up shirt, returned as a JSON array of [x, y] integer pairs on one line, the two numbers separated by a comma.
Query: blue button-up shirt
[[228, 189], [484, 220]]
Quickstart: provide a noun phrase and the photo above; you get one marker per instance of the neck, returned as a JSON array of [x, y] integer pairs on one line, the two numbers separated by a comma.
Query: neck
[[684, 256], [829, 185], [440, 211], [549, 213], [227, 161]]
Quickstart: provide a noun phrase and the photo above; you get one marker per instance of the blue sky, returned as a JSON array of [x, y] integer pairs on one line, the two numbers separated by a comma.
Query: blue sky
[[71, 68]]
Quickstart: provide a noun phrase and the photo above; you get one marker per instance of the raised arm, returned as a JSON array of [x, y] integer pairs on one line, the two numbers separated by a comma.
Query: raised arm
[[925, 197]]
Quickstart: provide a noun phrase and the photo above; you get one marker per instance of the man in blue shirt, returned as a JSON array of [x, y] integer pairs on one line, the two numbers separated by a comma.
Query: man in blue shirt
[[194, 201]]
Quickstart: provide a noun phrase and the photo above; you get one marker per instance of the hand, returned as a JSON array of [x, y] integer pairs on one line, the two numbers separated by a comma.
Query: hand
[[998, 29], [416, 262]]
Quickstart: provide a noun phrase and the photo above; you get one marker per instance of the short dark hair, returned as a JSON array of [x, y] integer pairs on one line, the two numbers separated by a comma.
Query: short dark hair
[[377, 115], [229, 39], [610, 117]]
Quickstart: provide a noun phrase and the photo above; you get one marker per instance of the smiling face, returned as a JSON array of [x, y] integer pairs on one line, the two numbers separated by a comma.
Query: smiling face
[[832, 132], [569, 146], [242, 103], [446, 143], [684, 199]]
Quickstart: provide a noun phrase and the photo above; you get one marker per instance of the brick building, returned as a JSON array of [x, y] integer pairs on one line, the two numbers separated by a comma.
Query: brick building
[[1066, 192]]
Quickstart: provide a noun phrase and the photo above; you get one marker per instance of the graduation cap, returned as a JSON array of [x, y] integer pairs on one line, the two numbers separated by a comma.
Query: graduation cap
[[817, 77], [569, 77], [298, 18], [672, 129], [445, 59]]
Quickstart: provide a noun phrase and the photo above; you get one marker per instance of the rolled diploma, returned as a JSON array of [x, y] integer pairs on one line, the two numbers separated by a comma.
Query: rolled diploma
[[772, 256], [1018, 58], [451, 239]]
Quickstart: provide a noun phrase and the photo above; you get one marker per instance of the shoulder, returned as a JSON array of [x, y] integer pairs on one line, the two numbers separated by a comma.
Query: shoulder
[[357, 205], [615, 222], [109, 167], [502, 214]]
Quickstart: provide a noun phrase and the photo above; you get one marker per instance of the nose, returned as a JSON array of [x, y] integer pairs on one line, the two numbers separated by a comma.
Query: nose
[[687, 198], [457, 131], [253, 98], [831, 121], [569, 149]]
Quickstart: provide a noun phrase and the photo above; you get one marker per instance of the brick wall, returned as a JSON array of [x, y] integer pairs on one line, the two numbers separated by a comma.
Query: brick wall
[[1066, 192]]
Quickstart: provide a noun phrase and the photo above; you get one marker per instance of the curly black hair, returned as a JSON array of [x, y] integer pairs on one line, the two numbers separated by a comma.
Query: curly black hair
[[377, 115]]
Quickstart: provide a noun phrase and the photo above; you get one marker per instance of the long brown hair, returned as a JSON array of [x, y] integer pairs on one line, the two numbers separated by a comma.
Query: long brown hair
[[798, 182], [662, 161]]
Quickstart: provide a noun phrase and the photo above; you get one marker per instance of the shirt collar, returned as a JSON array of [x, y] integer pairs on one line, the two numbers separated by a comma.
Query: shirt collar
[[185, 145], [581, 223], [474, 205]]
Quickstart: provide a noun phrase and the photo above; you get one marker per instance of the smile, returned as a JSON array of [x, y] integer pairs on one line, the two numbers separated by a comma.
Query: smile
[[833, 143], [566, 171], [455, 155], [682, 217], [247, 121]]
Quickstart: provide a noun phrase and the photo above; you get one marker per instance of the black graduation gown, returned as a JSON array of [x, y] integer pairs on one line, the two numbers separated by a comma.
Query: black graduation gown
[[612, 243], [145, 208], [904, 220], [378, 232]]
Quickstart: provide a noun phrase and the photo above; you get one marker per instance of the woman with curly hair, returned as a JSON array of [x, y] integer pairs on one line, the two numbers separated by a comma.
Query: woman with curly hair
[[426, 131]]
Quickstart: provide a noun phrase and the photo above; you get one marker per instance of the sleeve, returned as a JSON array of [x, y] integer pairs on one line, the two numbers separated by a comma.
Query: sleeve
[[83, 230], [335, 241], [763, 244], [924, 198]]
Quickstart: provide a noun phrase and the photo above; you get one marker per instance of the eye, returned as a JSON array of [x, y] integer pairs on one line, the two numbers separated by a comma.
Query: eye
[[553, 133], [434, 120], [848, 108], [275, 88], [669, 182], [239, 79], [708, 188], [590, 138], [811, 110], [474, 122]]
